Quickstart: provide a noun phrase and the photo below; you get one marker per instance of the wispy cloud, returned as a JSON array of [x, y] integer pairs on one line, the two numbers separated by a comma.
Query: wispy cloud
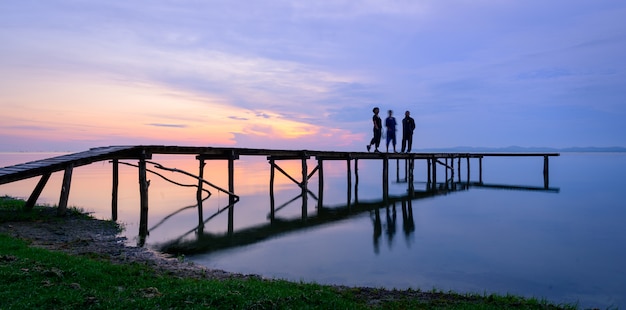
[[168, 125], [316, 68]]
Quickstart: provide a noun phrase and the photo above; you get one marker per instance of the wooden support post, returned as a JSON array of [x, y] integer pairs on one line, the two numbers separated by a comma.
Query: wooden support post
[[349, 170], [446, 168], [272, 201], [434, 172], [356, 181], [480, 170], [546, 172], [65, 190], [304, 185], [397, 170], [406, 170], [468, 169], [459, 169], [143, 197], [385, 179], [231, 198], [115, 187], [320, 190], [411, 166], [199, 194], [30, 203], [428, 173]]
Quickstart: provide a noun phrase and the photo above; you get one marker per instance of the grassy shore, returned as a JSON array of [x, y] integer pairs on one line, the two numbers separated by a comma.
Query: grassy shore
[[34, 278]]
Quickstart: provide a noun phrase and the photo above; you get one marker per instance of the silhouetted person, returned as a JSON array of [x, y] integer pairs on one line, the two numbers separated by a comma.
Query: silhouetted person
[[390, 123], [378, 128], [408, 126]]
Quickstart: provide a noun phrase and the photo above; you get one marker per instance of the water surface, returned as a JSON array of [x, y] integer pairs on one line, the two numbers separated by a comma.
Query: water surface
[[565, 245]]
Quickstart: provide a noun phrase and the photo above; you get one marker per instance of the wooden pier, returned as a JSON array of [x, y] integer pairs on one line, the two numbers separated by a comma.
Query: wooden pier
[[143, 154]]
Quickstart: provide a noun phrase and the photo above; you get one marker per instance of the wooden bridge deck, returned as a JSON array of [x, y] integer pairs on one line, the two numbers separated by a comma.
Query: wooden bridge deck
[[41, 167], [45, 167], [49, 165]]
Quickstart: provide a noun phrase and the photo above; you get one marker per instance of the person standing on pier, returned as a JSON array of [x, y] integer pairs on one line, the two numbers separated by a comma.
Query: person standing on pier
[[390, 123], [378, 128], [408, 126]]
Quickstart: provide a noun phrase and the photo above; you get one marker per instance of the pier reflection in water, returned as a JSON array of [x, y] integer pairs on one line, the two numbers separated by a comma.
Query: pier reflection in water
[[197, 240]]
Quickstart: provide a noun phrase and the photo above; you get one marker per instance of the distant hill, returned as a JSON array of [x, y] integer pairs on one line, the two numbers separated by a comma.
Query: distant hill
[[520, 149]]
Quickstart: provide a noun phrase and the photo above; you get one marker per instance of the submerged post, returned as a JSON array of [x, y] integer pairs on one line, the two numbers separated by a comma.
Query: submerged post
[[434, 172], [143, 197], [65, 190], [320, 189], [447, 172], [468, 169], [385, 178], [356, 181], [398, 170], [349, 170], [546, 173], [272, 210], [114, 194], [231, 188], [304, 186], [459, 168], [480, 170], [199, 194], [411, 167]]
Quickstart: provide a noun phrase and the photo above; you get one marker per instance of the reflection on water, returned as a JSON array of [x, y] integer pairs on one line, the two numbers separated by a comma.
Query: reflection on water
[[510, 234]]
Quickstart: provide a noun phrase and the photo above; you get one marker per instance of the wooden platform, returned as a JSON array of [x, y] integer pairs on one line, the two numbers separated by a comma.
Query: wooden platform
[[41, 167]]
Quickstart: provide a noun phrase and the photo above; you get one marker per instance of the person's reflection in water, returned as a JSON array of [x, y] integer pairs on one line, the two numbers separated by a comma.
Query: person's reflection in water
[[378, 230], [408, 224], [391, 224]]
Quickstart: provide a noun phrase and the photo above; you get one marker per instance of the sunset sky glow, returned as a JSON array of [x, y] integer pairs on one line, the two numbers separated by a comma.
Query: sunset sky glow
[[306, 74]]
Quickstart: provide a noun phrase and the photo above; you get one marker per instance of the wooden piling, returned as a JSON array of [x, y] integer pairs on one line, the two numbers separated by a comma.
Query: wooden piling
[[115, 187], [65, 190], [468, 169], [143, 197], [304, 186], [385, 178], [429, 173], [459, 169], [231, 188], [398, 170], [272, 201], [446, 169], [546, 173], [201, 165], [356, 181], [349, 170], [320, 188], [434, 160], [480, 170]]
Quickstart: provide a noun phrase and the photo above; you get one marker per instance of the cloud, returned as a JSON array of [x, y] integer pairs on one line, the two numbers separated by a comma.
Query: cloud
[[168, 125]]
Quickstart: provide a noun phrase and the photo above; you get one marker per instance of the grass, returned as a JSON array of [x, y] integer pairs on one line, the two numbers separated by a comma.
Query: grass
[[12, 210], [34, 278]]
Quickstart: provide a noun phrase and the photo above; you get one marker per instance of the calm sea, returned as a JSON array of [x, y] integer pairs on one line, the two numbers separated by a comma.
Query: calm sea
[[565, 244]]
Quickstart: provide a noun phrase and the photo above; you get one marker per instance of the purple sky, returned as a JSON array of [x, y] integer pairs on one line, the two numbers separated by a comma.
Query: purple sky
[[306, 74]]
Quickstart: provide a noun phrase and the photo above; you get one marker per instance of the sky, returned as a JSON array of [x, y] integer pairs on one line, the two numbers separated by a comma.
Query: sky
[[288, 74]]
